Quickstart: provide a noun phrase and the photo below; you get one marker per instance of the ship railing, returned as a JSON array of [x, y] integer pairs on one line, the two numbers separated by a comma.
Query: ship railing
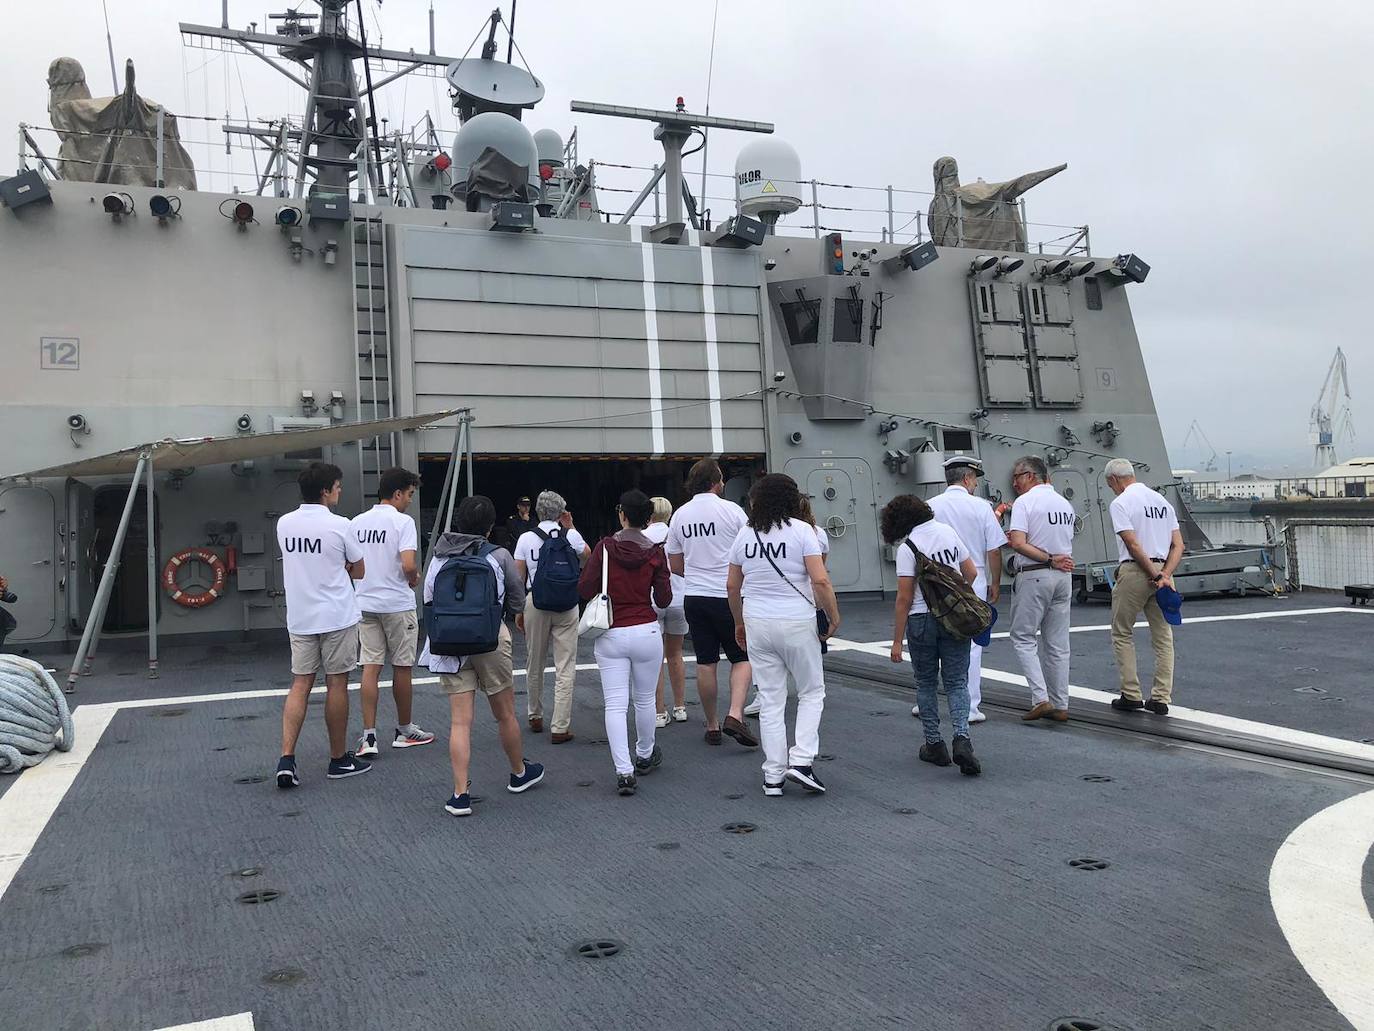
[[1329, 554], [229, 156], [1289, 488]]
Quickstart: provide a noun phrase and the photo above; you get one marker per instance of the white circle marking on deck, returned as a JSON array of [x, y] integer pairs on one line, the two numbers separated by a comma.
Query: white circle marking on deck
[[1316, 888]]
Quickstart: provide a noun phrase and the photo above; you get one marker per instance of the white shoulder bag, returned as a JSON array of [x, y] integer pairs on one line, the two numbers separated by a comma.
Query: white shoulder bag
[[596, 617]]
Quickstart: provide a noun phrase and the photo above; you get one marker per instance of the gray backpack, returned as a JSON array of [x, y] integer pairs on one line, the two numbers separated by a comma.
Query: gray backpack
[[952, 601]]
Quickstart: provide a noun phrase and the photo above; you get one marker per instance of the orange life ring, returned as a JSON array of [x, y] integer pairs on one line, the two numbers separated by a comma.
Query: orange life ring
[[205, 597]]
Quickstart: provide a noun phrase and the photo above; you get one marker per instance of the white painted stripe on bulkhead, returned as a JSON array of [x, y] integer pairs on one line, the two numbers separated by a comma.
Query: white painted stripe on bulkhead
[[651, 338], [708, 307]]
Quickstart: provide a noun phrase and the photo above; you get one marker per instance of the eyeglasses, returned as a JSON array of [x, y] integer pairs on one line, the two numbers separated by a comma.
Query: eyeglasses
[[1017, 476]]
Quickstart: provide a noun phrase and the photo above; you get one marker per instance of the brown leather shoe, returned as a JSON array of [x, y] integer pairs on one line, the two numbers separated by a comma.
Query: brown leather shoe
[[739, 732], [559, 739], [1060, 715], [537, 724], [713, 737], [1038, 711]]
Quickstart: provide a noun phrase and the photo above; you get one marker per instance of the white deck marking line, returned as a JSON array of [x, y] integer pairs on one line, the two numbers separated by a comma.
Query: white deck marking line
[[651, 339], [708, 307], [237, 1022], [1315, 889], [26, 808], [1189, 620], [1215, 720]]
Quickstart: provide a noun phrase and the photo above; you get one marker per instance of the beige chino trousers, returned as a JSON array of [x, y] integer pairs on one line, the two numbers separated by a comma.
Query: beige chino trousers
[[1133, 594], [558, 629]]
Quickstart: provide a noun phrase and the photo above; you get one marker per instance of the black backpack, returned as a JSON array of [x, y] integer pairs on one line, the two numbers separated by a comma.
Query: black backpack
[[951, 599]]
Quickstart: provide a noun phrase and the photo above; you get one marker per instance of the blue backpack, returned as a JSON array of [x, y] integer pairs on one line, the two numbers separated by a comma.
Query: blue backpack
[[554, 588], [465, 616]]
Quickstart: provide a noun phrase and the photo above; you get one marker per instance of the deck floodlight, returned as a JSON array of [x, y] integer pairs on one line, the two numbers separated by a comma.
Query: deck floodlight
[[288, 215], [1128, 268], [117, 205], [162, 207], [983, 263], [1009, 264], [1052, 269], [1081, 268], [912, 258]]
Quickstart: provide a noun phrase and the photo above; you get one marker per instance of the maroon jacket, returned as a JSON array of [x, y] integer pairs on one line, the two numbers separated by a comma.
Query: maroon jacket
[[637, 566]]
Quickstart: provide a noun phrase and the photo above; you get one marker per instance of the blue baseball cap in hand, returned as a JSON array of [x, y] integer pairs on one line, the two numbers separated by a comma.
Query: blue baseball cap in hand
[[1171, 604], [985, 638]]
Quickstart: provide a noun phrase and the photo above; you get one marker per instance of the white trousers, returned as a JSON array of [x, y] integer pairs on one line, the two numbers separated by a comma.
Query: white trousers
[[1042, 604], [779, 648], [975, 651], [629, 658]]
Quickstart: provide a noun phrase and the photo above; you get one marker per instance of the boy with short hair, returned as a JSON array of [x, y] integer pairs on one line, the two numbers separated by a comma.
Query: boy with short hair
[[491, 672], [389, 628], [320, 560]]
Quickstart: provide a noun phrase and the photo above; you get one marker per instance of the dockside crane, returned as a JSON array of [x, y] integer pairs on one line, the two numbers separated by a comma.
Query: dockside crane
[[1196, 436], [1331, 419]]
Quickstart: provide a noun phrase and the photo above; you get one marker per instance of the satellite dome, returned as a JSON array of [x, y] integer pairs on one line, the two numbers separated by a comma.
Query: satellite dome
[[501, 133], [549, 145], [768, 178]]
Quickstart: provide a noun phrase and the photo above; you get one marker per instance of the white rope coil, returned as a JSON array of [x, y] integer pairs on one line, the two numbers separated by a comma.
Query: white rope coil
[[34, 718]]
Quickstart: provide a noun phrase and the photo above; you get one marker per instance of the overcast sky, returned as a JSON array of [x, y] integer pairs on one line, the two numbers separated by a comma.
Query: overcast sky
[[1228, 144]]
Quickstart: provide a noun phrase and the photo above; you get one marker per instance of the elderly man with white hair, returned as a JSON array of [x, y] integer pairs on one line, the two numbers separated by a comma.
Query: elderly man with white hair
[[550, 610], [1149, 546]]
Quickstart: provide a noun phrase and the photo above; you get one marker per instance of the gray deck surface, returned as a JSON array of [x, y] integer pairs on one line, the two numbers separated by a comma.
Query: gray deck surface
[[839, 911]]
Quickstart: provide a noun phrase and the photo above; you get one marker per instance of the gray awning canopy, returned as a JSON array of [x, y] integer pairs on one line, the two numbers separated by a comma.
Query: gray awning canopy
[[197, 451]]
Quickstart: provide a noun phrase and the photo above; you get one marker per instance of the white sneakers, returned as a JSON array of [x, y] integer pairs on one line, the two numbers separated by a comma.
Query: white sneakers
[[977, 716], [661, 720], [752, 709], [679, 714]]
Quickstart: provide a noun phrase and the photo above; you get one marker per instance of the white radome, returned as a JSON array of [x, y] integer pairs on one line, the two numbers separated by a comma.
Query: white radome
[[504, 134], [768, 177]]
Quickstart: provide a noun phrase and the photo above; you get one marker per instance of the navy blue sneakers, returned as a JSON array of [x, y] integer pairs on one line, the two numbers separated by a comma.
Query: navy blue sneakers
[[286, 772], [347, 765], [806, 777], [459, 805], [649, 763], [534, 773]]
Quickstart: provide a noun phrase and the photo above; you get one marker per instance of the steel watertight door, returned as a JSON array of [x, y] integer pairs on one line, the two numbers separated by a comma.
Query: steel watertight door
[[82, 569], [1073, 485], [28, 560], [833, 503]]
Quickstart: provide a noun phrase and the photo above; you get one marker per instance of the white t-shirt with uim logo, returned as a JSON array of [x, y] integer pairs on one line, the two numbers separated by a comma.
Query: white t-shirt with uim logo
[[315, 543], [1152, 518], [935, 541], [702, 531], [383, 533], [766, 594]]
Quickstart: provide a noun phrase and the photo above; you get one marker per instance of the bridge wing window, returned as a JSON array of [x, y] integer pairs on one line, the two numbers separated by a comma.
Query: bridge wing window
[[849, 321], [802, 318]]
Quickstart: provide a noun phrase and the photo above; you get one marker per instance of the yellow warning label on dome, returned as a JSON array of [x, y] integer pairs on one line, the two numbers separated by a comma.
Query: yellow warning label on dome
[[768, 187]]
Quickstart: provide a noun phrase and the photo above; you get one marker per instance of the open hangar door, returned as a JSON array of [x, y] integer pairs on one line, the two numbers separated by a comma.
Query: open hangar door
[[591, 485]]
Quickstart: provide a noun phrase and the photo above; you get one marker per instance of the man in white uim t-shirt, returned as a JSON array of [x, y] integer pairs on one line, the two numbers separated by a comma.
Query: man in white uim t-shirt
[[972, 519], [700, 535], [320, 559], [389, 627], [1150, 546]]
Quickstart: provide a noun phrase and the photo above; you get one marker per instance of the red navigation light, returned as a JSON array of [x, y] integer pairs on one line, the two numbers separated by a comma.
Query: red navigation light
[[545, 172], [243, 212], [442, 162], [681, 105]]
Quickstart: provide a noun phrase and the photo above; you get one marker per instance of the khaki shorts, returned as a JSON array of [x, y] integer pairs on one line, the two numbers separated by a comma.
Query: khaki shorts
[[393, 634], [335, 652], [491, 671]]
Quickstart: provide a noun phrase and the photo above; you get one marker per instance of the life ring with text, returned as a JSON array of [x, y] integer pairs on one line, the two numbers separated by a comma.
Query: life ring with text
[[187, 598]]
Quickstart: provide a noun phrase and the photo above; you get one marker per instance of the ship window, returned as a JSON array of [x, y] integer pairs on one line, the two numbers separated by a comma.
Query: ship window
[[849, 321], [803, 320], [958, 440]]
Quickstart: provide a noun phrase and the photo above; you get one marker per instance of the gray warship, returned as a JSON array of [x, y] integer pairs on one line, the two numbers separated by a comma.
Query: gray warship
[[467, 308]]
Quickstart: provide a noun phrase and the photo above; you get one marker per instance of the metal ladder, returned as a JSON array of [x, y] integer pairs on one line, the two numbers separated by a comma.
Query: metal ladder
[[372, 336]]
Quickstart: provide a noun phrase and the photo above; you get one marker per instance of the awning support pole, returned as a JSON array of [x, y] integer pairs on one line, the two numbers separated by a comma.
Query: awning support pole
[[443, 517], [152, 576], [102, 594]]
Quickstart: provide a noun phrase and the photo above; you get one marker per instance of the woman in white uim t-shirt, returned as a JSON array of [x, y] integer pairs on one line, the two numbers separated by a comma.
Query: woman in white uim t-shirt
[[776, 582], [673, 621]]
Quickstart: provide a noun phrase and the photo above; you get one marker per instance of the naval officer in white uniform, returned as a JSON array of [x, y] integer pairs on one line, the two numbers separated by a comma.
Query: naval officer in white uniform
[[1041, 531], [972, 519], [1150, 546]]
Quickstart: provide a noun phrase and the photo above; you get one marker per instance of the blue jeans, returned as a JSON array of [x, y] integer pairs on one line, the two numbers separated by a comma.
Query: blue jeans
[[937, 656]]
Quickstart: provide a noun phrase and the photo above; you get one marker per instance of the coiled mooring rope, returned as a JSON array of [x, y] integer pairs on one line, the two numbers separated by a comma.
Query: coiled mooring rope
[[34, 718]]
